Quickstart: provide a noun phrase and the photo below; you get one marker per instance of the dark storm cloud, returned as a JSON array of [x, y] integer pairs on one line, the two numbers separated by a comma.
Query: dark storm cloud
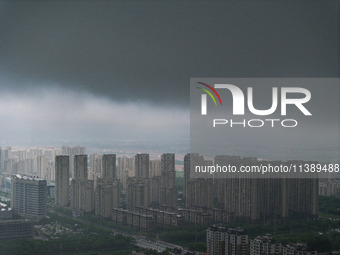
[[148, 50]]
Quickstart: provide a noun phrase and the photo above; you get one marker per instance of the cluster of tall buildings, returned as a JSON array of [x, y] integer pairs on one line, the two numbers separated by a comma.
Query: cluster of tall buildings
[[137, 187], [81, 189], [101, 193], [107, 192], [36, 161], [329, 188], [249, 199], [33, 161], [71, 152], [93, 184], [228, 241], [83, 194], [144, 191]]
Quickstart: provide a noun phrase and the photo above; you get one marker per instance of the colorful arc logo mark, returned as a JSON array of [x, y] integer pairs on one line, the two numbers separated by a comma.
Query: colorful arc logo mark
[[204, 97], [208, 92]]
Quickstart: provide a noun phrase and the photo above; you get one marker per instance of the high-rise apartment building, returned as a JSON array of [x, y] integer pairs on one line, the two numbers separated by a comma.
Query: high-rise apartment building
[[265, 245], [222, 241], [216, 240], [190, 160], [35, 152], [41, 167], [154, 168], [168, 191], [87, 195], [109, 166], [82, 195], [249, 198], [329, 188], [237, 242], [159, 190], [82, 189], [137, 193], [6, 153], [95, 166], [125, 168], [62, 169], [107, 190], [298, 249], [168, 169], [80, 167], [75, 194], [107, 194], [142, 165], [72, 151], [198, 191], [29, 196], [137, 188], [255, 199]]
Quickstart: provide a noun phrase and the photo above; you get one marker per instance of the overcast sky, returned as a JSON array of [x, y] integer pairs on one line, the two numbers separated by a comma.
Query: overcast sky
[[121, 69]]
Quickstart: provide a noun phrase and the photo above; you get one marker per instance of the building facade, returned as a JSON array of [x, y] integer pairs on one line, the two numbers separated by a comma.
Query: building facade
[[62, 173], [16, 229], [29, 196], [265, 245], [223, 241]]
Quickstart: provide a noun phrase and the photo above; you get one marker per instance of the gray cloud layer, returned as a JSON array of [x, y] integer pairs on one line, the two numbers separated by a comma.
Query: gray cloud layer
[[121, 69], [148, 50], [65, 115]]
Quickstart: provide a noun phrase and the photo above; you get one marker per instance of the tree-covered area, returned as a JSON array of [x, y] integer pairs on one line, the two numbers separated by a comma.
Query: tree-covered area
[[329, 206], [322, 234], [85, 238], [179, 183], [106, 223], [5, 197], [62, 210], [319, 241], [68, 245], [5, 193]]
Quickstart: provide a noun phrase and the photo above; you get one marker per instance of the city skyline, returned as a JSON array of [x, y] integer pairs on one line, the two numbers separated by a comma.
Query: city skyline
[[149, 195], [170, 127]]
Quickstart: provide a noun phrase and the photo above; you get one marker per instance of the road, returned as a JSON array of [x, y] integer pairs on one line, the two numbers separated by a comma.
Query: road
[[155, 245]]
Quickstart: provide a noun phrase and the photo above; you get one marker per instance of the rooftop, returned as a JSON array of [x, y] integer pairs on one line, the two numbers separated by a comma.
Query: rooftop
[[24, 177]]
